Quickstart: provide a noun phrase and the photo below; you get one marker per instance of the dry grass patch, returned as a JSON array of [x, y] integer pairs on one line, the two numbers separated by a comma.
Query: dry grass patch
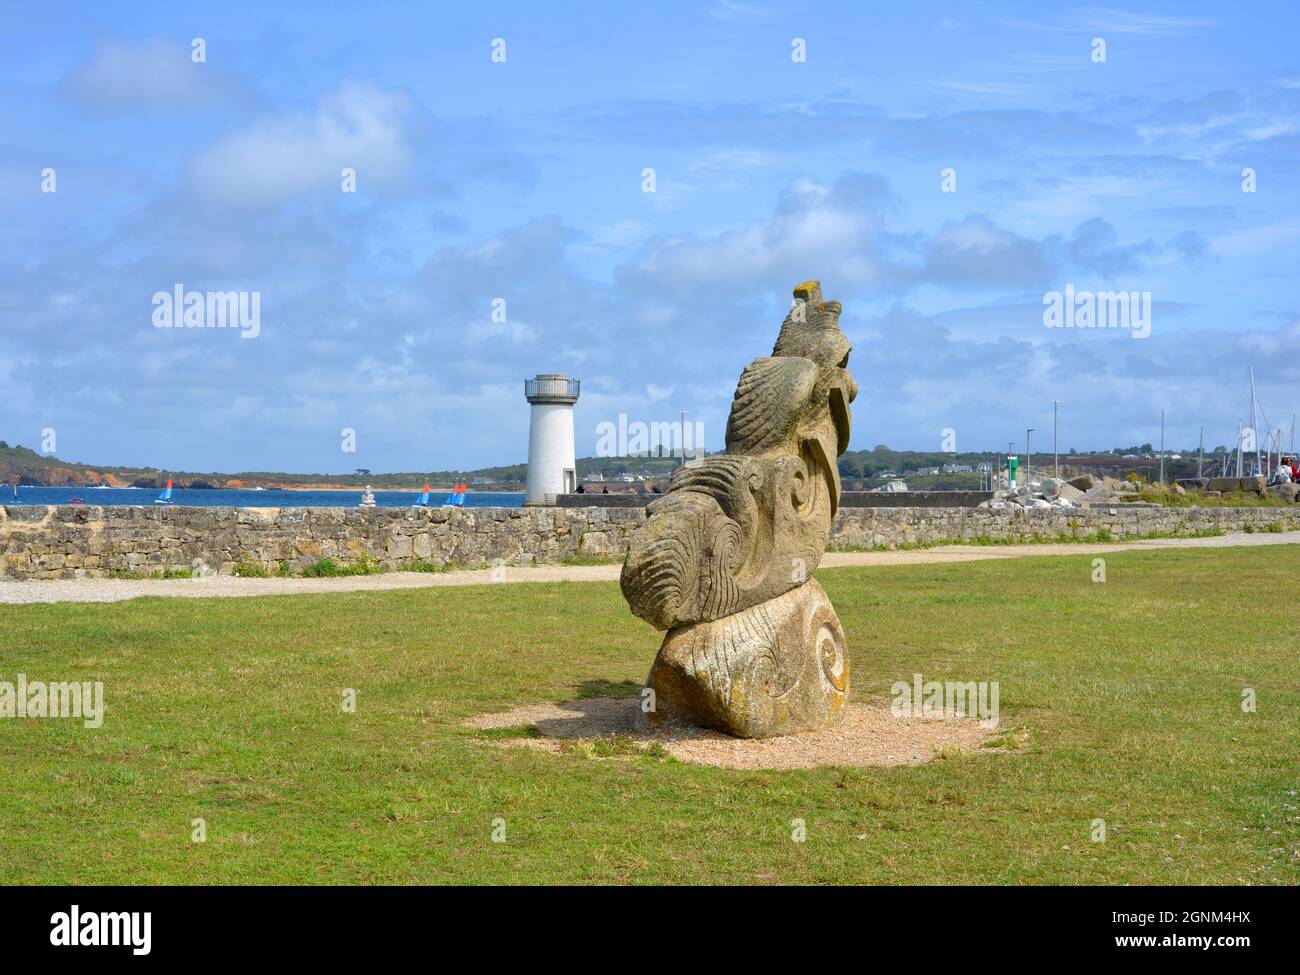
[[605, 727]]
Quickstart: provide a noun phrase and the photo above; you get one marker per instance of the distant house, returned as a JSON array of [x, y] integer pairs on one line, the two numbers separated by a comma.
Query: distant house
[[956, 468]]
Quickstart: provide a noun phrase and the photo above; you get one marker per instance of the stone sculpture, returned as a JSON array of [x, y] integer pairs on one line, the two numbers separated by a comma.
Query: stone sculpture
[[724, 560]]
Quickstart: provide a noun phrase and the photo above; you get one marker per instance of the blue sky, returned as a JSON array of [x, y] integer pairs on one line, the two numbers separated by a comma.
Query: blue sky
[[522, 180]]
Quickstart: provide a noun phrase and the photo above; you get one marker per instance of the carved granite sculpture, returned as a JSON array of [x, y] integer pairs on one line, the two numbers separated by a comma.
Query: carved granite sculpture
[[724, 561]]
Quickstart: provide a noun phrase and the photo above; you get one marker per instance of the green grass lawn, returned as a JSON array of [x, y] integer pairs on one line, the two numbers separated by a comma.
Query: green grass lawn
[[1120, 701]]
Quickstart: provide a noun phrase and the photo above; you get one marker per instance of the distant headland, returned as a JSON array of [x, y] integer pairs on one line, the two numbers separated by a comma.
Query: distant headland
[[859, 469]]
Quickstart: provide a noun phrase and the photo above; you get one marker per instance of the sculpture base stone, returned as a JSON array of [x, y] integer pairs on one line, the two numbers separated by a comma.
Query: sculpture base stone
[[777, 668]]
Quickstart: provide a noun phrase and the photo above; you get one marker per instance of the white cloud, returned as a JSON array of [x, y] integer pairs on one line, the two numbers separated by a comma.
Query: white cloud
[[975, 253], [1256, 240], [1155, 25], [743, 11], [831, 229], [360, 125], [151, 73]]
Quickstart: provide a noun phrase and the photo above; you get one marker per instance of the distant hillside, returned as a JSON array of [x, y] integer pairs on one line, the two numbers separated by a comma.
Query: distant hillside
[[22, 465], [859, 469], [25, 466]]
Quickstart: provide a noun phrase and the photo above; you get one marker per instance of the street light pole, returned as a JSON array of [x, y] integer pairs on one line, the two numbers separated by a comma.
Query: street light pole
[[1029, 460], [1056, 429], [1162, 446]]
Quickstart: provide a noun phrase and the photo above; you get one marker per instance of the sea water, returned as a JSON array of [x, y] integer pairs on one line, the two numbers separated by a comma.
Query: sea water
[[211, 498]]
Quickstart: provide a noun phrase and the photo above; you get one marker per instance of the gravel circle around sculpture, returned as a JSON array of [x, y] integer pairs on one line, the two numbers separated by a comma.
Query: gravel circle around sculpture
[[866, 735]]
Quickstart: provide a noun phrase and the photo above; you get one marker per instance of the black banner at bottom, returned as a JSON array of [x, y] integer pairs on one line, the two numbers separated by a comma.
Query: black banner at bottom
[[213, 924]]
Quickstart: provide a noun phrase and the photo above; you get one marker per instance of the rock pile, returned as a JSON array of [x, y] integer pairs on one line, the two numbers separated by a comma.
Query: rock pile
[[1051, 492], [1256, 484], [1287, 492], [890, 487], [1087, 490]]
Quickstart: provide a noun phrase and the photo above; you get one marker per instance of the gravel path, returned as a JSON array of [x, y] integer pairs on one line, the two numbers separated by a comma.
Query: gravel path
[[865, 735], [115, 590]]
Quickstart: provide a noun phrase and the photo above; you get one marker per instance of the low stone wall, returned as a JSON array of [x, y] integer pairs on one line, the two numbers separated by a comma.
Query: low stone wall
[[71, 541], [914, 499], [859, 528], [848, 499], [604, 500], [39, 542]]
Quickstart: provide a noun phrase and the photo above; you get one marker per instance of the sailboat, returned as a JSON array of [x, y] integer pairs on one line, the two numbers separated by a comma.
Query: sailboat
[[166, 496], [424, 498], [457, 497]]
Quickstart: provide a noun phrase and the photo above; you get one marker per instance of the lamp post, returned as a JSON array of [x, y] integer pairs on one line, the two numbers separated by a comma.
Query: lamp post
[[1162, 446], [1029, 461], [1056, 450]]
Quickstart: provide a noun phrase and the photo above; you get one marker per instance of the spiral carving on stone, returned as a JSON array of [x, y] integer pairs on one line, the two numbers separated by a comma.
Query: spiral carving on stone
[[727, 554]]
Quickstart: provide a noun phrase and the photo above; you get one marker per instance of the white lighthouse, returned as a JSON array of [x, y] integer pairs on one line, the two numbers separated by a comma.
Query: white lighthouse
[[552, 466]]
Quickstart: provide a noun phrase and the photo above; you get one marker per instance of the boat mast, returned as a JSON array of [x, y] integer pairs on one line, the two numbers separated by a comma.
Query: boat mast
[[1253, 421]]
